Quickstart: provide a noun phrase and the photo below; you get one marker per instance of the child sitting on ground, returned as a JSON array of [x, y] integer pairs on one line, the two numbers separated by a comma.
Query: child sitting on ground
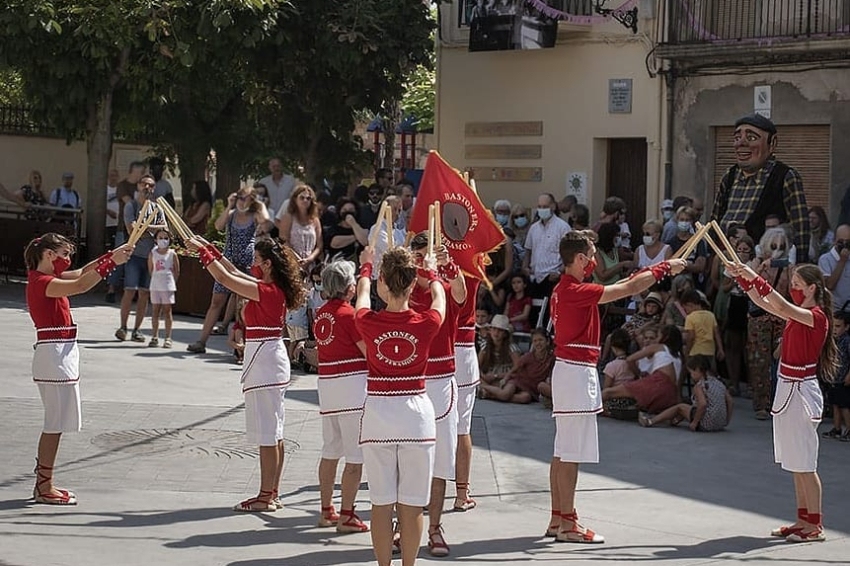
[[518, 305], [521, 384], [619, 371], [838, 392], [711, 404], [482, 328]]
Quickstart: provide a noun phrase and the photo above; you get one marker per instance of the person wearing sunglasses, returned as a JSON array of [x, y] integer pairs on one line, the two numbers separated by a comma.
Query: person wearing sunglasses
[[299, 226]]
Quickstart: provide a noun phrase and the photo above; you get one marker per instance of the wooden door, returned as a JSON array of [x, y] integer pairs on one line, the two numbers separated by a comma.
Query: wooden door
[[627, 180]]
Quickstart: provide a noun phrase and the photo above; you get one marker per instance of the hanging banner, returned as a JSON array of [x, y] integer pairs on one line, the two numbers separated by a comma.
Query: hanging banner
[[604, 16]]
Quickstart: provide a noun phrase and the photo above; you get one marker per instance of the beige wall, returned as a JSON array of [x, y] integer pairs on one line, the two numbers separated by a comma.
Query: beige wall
[[566, 87]]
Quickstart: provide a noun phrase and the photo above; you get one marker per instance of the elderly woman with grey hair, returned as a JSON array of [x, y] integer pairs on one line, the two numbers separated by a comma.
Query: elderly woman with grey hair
[[342, 392]]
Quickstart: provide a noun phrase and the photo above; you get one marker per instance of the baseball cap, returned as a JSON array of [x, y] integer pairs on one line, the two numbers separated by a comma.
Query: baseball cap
[[67, 175], [667, 204]]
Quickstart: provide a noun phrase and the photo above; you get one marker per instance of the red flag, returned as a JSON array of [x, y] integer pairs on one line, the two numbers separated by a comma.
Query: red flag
[[469, 230]]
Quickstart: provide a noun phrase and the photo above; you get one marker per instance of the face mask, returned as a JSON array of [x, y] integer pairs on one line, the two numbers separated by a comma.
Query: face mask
[[521, 222], [683, 226], [503, 219], [590, 267], [797, 296], [667, 214], [162, 243], [318, 287], [60, 264], [648, 240], [544, 213], [257, 271]]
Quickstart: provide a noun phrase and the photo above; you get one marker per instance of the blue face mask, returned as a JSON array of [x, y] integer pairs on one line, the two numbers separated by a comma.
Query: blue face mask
[[544, 213], [684, 226], [503, 219], [521, 221]]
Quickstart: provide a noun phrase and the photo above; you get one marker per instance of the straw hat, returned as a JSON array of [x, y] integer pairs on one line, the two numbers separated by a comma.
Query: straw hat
[[501, 321], [655, 298]]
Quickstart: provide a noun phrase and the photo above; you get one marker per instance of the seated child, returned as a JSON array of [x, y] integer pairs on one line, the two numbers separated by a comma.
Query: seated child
[[619, 371], [838, 392], [649, 313], [535, 366], [518, 306], [482, 328], [711, 404], [499, 355]]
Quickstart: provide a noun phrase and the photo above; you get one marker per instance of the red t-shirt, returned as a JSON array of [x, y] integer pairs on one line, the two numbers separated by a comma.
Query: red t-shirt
[[265, 316], [46, 312], [575, 313], [801, 346], [336, 339], [465, 335], [397, 345], [441, 356], [515, 308]]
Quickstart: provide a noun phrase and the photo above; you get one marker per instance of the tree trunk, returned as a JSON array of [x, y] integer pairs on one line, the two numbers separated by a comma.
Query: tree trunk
[[193, 167], [312, 160], [99, 148], [227, 175]]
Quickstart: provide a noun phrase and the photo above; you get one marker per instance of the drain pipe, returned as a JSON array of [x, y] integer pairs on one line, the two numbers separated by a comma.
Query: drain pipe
[[670, 80]]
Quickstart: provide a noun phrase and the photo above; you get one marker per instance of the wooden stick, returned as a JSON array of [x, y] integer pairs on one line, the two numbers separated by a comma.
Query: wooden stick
[[732, 253], [176, 222], [373, 241], [692, 243], [388, 220], [715, 247], [142, 223], [430, 251], [438, 225]]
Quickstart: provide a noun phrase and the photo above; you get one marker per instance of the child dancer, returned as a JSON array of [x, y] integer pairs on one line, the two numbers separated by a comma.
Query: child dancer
[[56, 362], [710, 408], [807, 348], [164, 267]]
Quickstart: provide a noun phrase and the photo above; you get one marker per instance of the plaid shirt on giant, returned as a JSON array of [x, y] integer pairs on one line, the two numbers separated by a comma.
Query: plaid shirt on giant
[[742, 193]]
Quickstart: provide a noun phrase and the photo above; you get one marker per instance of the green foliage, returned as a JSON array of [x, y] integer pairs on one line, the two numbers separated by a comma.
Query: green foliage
[[11, 88]]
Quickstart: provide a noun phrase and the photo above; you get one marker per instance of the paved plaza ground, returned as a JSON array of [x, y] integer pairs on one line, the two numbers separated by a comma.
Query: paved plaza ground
[[161, 460]]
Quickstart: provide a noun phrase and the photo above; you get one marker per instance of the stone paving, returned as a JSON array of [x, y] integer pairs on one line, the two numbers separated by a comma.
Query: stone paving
[[162, 458]]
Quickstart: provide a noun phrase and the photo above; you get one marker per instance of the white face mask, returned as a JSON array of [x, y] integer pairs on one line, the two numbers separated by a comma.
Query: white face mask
[[684, 226], [544, 213], [667, 214], [162, 243], [648, 240]]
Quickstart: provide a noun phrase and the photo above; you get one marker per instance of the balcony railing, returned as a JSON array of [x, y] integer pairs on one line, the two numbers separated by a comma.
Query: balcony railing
[[763, 22]]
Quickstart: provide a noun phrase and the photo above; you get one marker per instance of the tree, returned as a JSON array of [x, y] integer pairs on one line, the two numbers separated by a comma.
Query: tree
[[78, 58]]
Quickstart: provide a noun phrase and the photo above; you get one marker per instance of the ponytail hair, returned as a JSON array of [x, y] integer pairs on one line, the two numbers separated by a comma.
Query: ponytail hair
[[285, 271], [36, 248], [829, 359]]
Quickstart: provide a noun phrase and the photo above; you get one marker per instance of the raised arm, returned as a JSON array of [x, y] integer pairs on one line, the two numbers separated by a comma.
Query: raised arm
[[768, 298], [364, 279], [642, 280], [87, 278], [236, 283]]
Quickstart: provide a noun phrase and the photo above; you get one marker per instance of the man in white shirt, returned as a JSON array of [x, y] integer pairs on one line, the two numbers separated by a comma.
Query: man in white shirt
[[279, 185], [542, 262], [835, 269]]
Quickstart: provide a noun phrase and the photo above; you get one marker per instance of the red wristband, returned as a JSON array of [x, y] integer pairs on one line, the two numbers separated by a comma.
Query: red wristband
[[762, 287], [214, 251], [366, 270], [428, 274], [104, 258], [660, 270], [206, 256], [104, 268], [744, 284], [449, 271]]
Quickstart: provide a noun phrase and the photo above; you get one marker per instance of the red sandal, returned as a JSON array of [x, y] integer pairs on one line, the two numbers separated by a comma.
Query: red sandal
[[811, 536], [260, 504], [349, 522], [578, 533], [329, 517], [463, 504], [552, 530], [437, 546], [786, 530], [55, 496]]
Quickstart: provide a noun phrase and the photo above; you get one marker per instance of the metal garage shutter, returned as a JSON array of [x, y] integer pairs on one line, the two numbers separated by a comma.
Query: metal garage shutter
[[805, 148]]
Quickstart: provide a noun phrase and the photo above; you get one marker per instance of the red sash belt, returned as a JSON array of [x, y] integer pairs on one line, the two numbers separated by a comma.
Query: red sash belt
[[263, 332], [342, 368], [395, 386], [797, 373], [56, 334]]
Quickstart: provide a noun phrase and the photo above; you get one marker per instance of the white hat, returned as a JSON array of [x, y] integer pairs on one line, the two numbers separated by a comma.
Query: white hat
[[667, 204], [501, 321]]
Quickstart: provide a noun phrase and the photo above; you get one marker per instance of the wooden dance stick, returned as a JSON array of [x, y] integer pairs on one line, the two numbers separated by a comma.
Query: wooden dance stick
[[431, 230], [389, 223], [732, 253], [145, 219], [438, 225], [382, 213], [692, 243], [715, 247], [177, 223]]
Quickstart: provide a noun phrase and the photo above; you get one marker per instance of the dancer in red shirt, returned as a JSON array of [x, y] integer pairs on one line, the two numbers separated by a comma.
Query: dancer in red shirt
[[398, 428], [576, 397], [56, 362], [807, 348], [342, 392], [440, 381], [467, 377], [273, 286]]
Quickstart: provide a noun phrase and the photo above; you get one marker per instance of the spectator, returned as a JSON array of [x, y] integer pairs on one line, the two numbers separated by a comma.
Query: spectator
[[699, 208], [407, 200], [66, 197], [126, 192], [278, 184], [565, 206], [376, 193], [28, 195], [504, 262], [822, 236], [835, 270], [735, 321], [482, 328], [710, 409], [499, 355], [667, 210], [344, 239], [580, 217], [759, 185], [299, 226], [649, 313], [671, 225], [702, 335], [685, 218], [197, 215], [519, 224], [164, 268], [239, 220], [542, 261], [652, 251], [156, 167], [613, 210], [111, 207], [715, 289], [533, 368], [764, 329], [502, 212], [838, 392], [617, 372], [674, 312], [609, 268], [327, 210], [518, 306], [262, 194]]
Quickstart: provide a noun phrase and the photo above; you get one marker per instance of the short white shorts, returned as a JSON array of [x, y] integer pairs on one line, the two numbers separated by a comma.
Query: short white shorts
[[61, 407], [341, 437], [264, 416], [445, 449], [465, 404], [795, 438], [399, 473], [162, 297], [577, 439]]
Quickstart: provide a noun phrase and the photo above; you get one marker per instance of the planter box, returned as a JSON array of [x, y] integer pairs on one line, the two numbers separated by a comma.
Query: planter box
[[194, 288]]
